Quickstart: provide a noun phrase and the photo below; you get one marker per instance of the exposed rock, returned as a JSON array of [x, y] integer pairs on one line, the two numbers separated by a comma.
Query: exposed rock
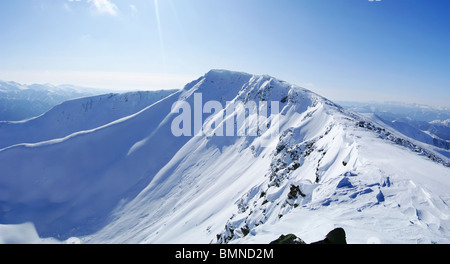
[[336, 236], [288, 239]]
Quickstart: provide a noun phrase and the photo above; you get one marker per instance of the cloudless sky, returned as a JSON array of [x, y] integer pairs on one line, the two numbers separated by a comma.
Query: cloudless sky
[[355, 50]]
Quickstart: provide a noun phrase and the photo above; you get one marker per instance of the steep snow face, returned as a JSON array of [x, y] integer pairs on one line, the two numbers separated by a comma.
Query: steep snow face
[[68, 186], [327, 168], [77, 115], [133, 181]]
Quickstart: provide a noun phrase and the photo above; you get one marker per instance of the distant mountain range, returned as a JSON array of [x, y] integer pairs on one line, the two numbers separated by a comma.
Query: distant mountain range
[[426, 124]]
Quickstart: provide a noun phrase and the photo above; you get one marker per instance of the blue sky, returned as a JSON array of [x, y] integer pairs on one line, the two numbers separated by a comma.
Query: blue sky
[[356, 50]]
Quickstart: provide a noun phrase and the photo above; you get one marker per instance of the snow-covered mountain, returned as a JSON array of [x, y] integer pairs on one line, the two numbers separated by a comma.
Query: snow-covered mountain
[[77, 115], [423, 123], [395, 110], [20, 101], [133, 181]]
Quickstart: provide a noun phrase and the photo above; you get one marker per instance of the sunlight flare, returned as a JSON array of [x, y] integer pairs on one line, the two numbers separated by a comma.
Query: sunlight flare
[[160, 34]]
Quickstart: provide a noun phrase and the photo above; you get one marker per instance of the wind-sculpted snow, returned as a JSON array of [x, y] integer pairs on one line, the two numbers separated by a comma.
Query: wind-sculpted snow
[[133, 181]]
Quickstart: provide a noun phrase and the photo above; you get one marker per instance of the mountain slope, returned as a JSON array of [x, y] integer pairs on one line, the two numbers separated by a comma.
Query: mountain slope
[[242, 193], [19, 101], [77, 115], [132, 181]]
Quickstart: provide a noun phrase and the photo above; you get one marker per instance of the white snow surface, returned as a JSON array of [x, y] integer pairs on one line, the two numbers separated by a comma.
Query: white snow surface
[[132, 181], [20, 101], [76, 115]]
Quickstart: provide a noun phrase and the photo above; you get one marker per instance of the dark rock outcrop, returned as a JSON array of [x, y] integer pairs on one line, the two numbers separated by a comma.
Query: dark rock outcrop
[[288, 239], [336, 236]]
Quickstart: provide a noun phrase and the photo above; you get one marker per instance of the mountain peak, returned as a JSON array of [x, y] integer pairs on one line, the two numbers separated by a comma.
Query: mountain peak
[[325, 167], [223, 73], [226, 84]]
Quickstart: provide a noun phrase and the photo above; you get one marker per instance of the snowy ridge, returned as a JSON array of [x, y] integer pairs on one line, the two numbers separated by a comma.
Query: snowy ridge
[[290, 187], [421, 123], [132, 181], [19, 101], [77, 115]]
